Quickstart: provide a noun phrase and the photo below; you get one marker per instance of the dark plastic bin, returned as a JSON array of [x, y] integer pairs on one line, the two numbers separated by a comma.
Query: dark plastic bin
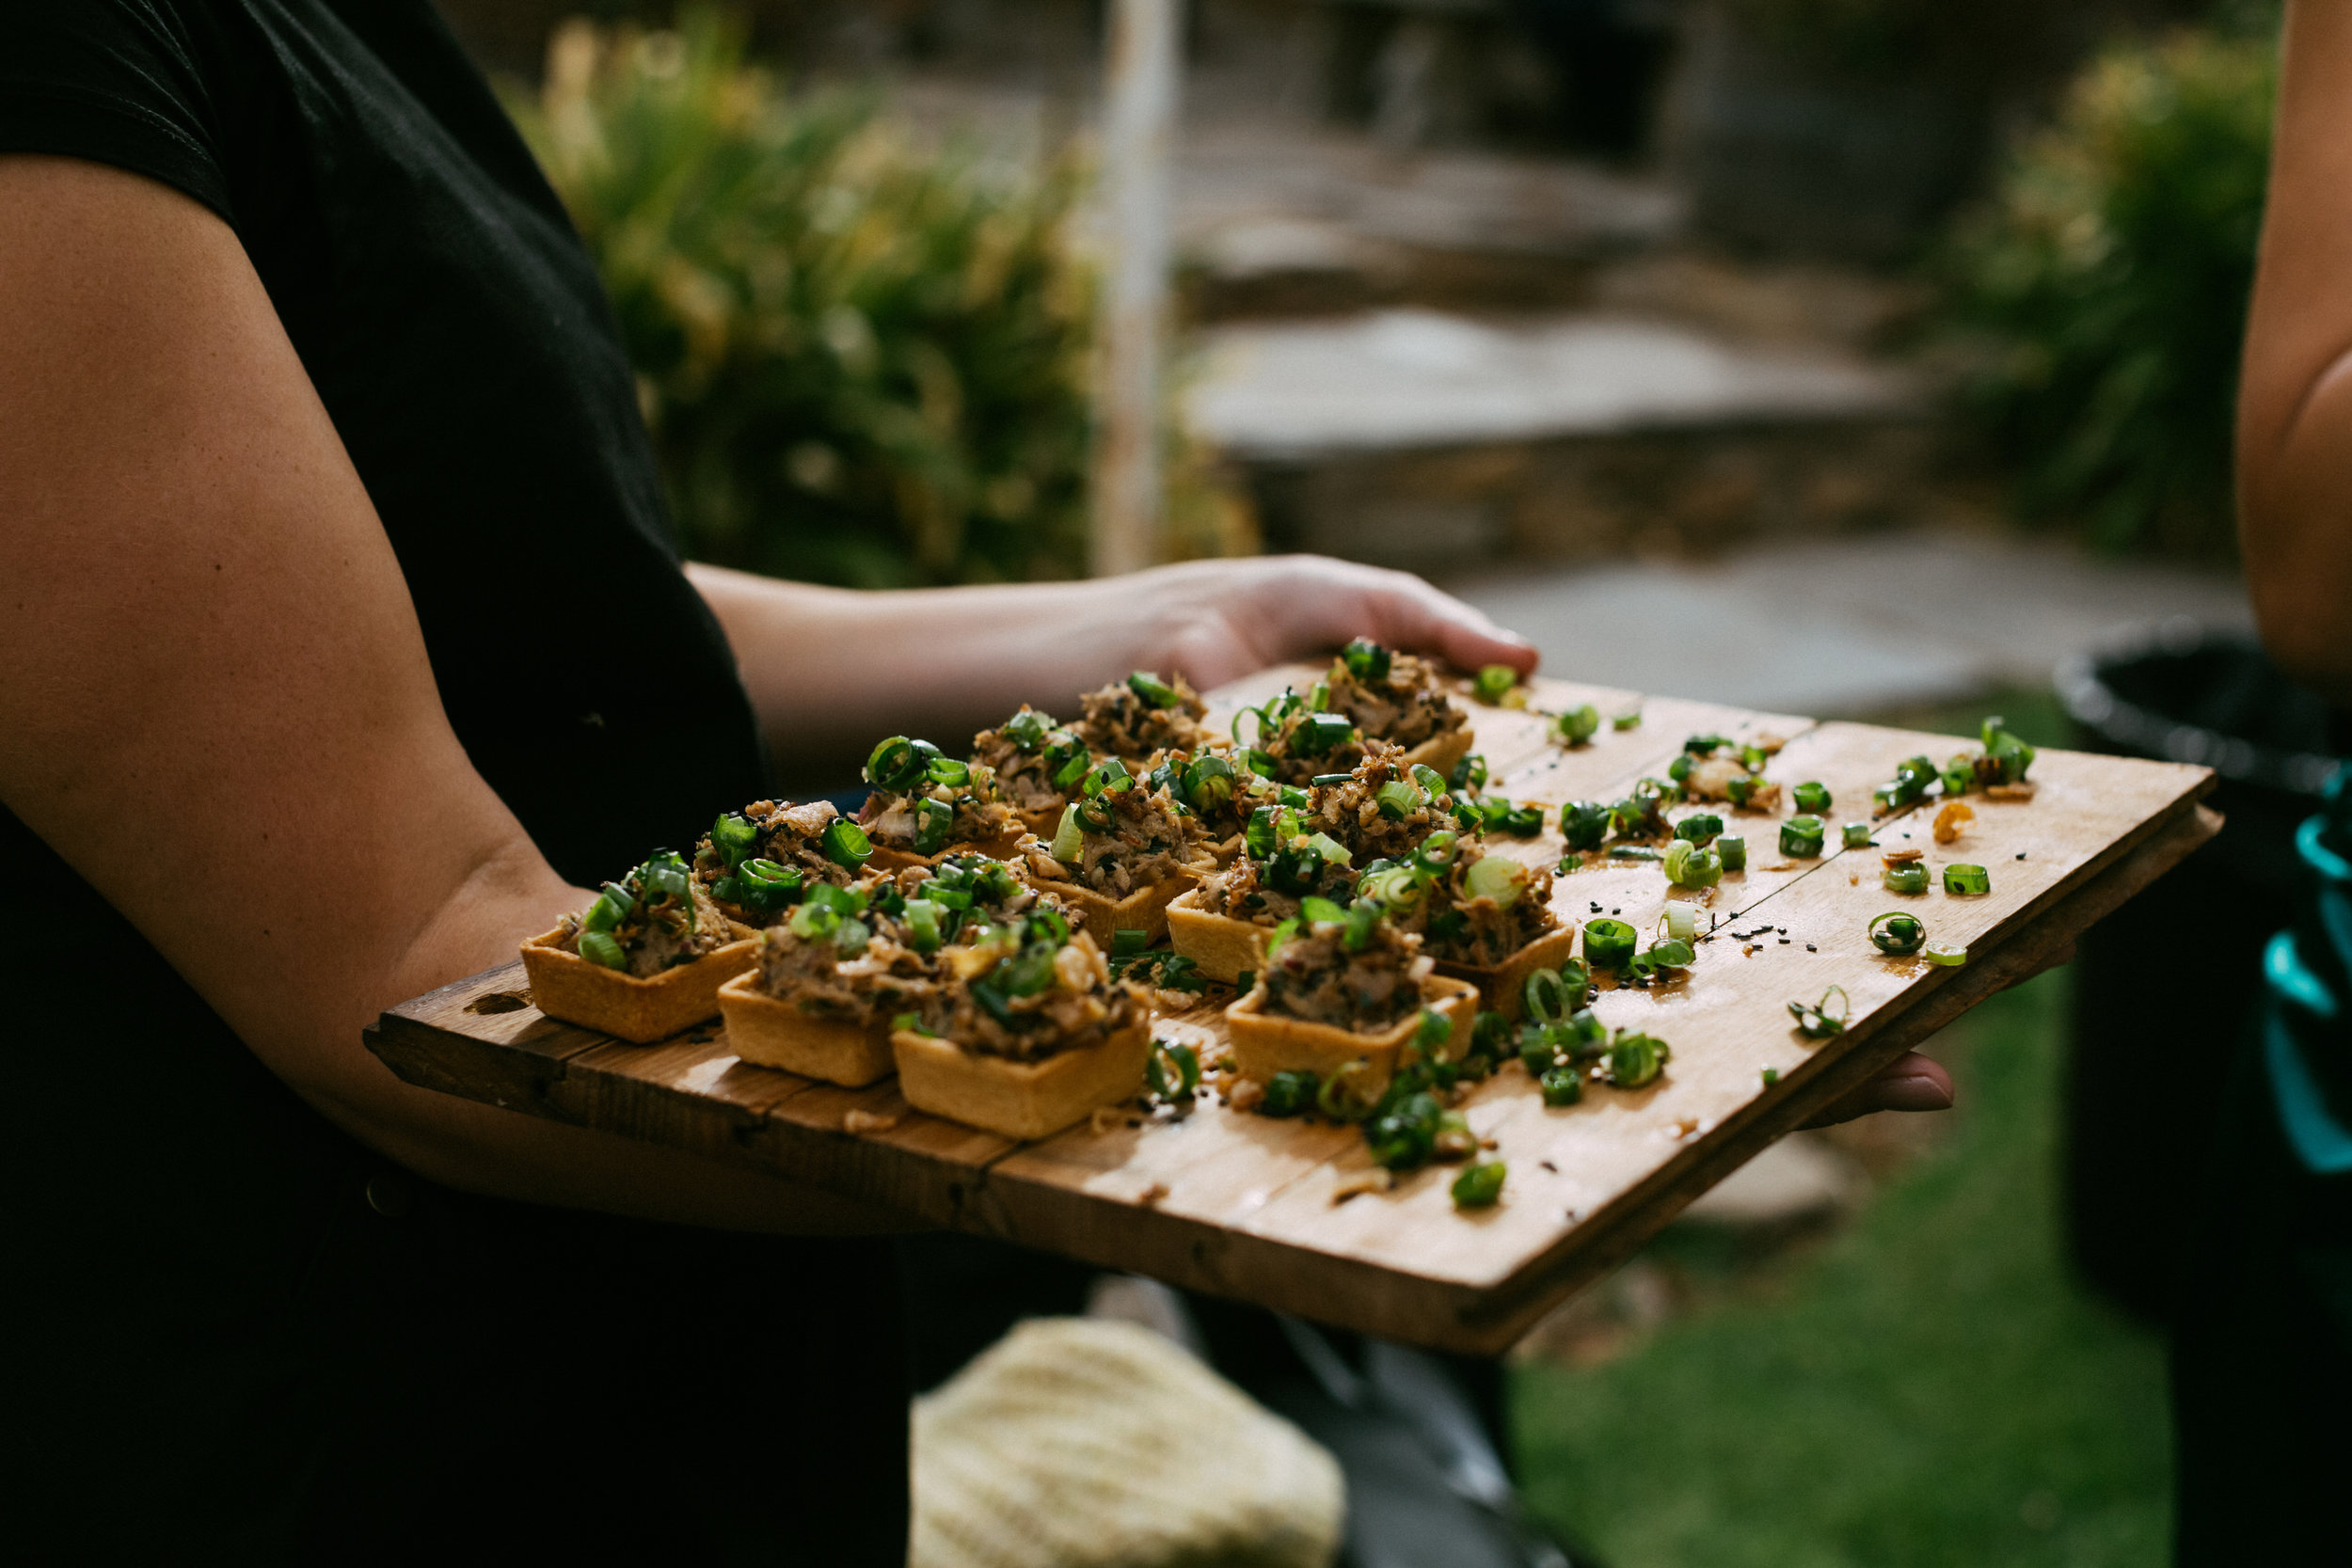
[[2148, 1057]]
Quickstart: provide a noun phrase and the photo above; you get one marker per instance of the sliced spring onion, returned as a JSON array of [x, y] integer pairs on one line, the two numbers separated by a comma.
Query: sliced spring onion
[[2006, 757], [1818, 1021], [1172, 1070], [851, 937], [1679, 858], [1629, 719], [1682, 922], [896, 766], [1362, 916], [1331, 850], [1635, 1059], [1108, 777], [1256, 835], [1069, 835], [1897, 933], [1811, 796], [603, 949], [1583, 824], [1578, 725], [735, 836], [1545, 996], [1609, 943], [1911, 780], [1432, 1030], [1969, 881], [1439, 850], [951, 771], [1479, 1186], [934, 824], [1028, 729], [1153, 689], [1493, 876], [1634, 852], [1368, 660], [1733, 853], [1701, 830], [1288, 1093], [1562, 1085], [922, 922], [766, 886], [1469, 774], [1398, 799], [1432, 782], [1209, 783], [1856, 835], [846, 844], [1958, 774], [1348, 1094], [612, 906], [1801, 837], [1945, 953], [1129, 940], [1321, 734], [1320, 911], [1673, 953], [1492, 682], [1905, 878]]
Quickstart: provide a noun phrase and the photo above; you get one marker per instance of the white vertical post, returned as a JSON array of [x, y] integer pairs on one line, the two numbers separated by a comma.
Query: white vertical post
[[1141, 68]]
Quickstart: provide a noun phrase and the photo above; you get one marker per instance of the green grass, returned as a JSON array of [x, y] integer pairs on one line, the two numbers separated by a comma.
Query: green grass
[[1927, 1388]]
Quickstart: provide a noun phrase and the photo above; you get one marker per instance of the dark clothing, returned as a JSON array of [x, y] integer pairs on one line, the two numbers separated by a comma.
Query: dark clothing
[[2261, 1347], [220, 1348]]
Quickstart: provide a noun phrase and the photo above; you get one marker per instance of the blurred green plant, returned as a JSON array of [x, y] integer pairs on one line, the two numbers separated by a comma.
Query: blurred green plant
[[2108, 279], [863, 360]]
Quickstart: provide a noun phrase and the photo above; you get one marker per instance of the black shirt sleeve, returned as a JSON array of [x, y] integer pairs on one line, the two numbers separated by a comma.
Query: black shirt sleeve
[[116, 82]]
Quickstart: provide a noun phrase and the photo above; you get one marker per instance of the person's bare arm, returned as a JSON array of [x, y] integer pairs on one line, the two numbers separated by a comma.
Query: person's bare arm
[[832, 671], [216, 703], [2294, 402]]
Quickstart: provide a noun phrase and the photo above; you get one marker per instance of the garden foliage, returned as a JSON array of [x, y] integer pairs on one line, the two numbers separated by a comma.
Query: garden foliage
[[2109, 278], [864, 360]]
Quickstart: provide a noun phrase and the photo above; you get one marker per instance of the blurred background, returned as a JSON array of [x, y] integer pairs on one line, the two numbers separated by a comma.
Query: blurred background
[[1850, 357]]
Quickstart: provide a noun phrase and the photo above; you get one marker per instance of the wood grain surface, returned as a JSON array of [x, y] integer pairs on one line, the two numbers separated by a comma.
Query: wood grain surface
[[1258, 1209]]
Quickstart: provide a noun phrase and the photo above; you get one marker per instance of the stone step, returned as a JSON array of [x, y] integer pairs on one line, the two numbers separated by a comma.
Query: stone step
[[1432, 440]]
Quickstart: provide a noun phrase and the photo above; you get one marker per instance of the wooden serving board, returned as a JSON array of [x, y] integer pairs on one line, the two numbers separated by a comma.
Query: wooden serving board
[[1248, 1207]]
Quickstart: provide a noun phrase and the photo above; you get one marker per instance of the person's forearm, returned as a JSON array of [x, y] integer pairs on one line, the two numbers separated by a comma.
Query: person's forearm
[[2294, 406]]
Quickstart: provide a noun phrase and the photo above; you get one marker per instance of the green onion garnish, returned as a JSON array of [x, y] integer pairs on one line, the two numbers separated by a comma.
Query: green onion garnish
[[1801, 837], [1818, 1021], [1673, 953], [846, 844], [1368, 660], [766, 886], [1347, 1094], [1733, 852], [1562, 1085], [1545, 996], [1439, 850], [1811, 796], [612, 906], [1947, 954], [1288, 1093], [1398, 799], [1856, 835], [922, 922], [1209, 783], [1479, 1186], [735, 836], [1609, 943], [1320, 734], [1578, 725], [1320, 911], [1630, 718], [1493, 681], [1969, 881], [1583, 824], [1431, 1034], [1905, 878], [1682, 922], [1153, 689], [1634, 1059], [934, 824], [1897, 933], [1171, 1070], [1493, 876], [1469, 774], [1701, 830], [1028, 729], [1070, 836], [603, 949]]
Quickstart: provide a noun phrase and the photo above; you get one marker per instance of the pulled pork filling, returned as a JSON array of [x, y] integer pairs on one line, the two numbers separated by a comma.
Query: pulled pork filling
[[1481, 932], [1147, 841], [1026, 996], [1353, 813], [1314, 979], [791, 835], [975, 816], [1024, 752], [661, 934], [1405, 705], [1121, 722], [1245, 890], [871, 976], [1221, 805], [1301, 753]]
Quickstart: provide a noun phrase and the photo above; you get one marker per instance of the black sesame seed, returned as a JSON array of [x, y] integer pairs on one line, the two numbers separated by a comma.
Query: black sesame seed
[[2021, 854], [1810, 948]]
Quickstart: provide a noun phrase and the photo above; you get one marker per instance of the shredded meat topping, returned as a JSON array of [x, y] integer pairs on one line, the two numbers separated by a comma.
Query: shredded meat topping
[[661, 936], [1123, 724], [1479, 932], [791, 835], [1148, 841], [1025, 780], [1081, 1006], [1405, 706], [893, 821], [1313, 978], [1242, 892], [883, 977], [1351, 813]]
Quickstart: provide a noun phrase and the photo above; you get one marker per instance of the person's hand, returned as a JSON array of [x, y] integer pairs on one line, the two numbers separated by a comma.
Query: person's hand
[[1218, 620], [1909, 1083]]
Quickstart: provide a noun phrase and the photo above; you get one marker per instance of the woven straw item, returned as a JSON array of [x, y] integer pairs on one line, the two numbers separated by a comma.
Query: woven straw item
[[1077, 1443]]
